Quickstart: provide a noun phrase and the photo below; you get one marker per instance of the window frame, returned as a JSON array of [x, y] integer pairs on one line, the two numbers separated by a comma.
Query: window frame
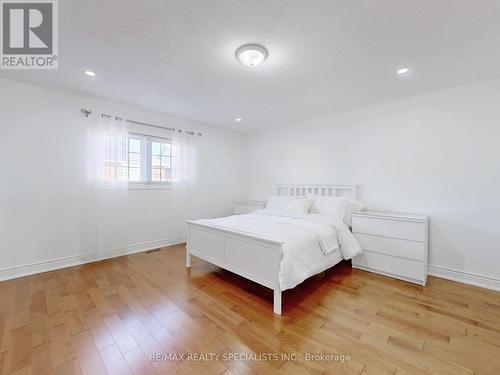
[[146, 162], [143, 157], [110, 159], [149, 160]]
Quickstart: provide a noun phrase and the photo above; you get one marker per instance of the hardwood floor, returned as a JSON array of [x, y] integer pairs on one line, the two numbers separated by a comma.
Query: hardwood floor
[[108, 317]]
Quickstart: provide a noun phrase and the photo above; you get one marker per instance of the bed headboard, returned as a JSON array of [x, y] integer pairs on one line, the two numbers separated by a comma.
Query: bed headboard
[[349, 191]]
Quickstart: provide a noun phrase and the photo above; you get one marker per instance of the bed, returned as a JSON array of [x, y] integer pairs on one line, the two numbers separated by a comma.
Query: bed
[[276, 250]]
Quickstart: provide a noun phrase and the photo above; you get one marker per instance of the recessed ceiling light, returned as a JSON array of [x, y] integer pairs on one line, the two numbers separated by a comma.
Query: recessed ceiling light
[[251, 54], [238, 119], [90, 73], [402, 71]]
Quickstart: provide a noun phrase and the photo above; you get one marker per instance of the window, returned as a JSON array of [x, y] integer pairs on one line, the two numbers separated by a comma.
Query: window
[[136, 147], [161, 161], [138, 159]]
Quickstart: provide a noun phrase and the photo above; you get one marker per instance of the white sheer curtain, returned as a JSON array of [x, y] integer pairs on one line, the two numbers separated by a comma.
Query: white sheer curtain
[[105, 201], [183, 178], [155, 209]]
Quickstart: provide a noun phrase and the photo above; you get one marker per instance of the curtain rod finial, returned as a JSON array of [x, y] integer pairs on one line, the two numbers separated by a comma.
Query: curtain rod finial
[[86, 112]]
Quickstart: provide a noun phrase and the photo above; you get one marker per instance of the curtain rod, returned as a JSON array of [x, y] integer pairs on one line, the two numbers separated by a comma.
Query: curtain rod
[[87, 113]]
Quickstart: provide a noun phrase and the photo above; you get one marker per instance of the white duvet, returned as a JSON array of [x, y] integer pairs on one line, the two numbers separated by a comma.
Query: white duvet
[[311, 243]]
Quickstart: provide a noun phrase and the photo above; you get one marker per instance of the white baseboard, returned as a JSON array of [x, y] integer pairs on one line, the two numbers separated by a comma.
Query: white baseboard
[[137, 248], [465, 277], [76, 260]]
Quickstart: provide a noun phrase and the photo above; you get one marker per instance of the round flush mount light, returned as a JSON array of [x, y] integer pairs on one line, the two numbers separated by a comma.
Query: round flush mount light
[[238, 119], [90, 73], [251, 54], [402, 71]]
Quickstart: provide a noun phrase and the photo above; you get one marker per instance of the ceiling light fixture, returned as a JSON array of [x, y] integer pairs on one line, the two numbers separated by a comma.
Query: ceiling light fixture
[[402, 71], [238, 119], [251, 54], [90, 73]]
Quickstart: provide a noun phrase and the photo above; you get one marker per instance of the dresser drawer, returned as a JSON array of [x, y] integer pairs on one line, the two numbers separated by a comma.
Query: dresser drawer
[[393, 246], [400, 268], [406, 230]]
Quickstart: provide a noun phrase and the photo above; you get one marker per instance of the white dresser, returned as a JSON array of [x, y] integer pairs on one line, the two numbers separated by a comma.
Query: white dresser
[[394, 244], [245, 207]]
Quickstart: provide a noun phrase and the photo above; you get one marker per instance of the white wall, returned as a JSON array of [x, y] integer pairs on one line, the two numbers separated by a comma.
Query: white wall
[[42, 171], [437, 154]]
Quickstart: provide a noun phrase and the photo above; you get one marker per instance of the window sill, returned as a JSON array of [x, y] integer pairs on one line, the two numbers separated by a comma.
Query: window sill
[[149, 186]]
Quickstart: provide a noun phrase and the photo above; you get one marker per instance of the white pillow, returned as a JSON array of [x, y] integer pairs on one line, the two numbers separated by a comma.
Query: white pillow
[[330, 206], [350, 208], [277, 202], [289, 205], [300, 205]]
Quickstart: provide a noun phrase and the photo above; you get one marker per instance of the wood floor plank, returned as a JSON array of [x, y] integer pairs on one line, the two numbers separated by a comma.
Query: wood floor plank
[[60, 345], [71, 367], [140, 363], [100, 302], [89, 358], [19, 348], [98, 329], [120, 333], [42, 362], [114, 361]]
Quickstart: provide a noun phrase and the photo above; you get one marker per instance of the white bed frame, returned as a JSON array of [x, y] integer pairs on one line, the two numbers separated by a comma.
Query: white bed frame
[[253, 257]]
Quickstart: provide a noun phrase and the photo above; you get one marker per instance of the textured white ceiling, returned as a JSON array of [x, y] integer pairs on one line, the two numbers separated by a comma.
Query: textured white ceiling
[[325, 56]]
